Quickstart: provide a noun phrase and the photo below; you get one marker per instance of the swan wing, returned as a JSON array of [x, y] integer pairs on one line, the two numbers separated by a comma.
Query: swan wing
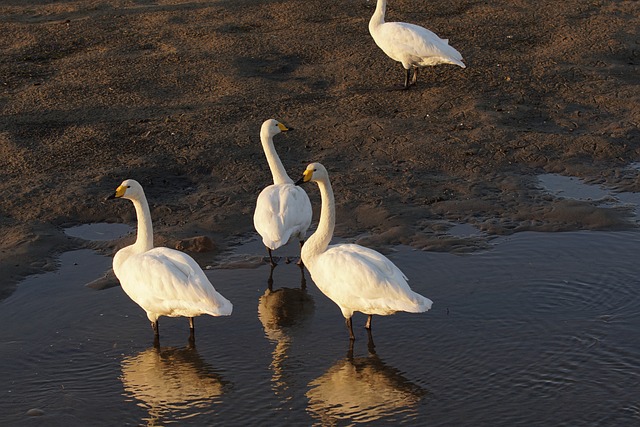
[[361, 279], [282, 211], [413, 44], [170, 283]]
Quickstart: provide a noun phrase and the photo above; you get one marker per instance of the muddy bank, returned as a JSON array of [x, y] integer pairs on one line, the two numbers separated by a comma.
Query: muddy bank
[[173, 94]]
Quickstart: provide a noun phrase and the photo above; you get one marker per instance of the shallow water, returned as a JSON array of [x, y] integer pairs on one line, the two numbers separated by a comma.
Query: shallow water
[[539, 330]]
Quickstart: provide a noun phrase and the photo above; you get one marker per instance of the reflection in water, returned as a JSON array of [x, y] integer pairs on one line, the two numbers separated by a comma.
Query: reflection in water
[[362, 389], [171, 383], [283, 313]]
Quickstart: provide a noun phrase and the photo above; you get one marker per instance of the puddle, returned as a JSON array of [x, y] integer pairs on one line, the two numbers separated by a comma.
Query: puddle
[[574, 188], [99, 231], [464, 230], [534, 331]]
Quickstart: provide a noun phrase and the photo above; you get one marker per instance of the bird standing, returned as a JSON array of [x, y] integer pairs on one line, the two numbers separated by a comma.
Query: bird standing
[[410, 44], [163, 281], [283, 210], [354, 277]]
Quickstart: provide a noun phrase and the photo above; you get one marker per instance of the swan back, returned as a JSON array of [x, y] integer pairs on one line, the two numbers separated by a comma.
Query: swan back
[[360, 279], [283, 212], [167, 282]]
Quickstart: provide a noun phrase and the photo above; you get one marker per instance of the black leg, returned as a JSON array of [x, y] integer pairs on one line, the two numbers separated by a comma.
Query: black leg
[[300, 263], [370, 345], [156, 334], [350, 329], [192, 332], [368, 325], [273, 263], [303, 280], [154, 326]]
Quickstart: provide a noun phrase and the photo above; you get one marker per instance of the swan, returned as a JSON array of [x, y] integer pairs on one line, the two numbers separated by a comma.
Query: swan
[[354, 277], [410, 44], [283, 210], [163, 281]]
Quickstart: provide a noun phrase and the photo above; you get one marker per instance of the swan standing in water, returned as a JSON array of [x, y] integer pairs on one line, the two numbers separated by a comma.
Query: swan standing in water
[[354, 277], [410, 44], [163, 281], [283, 210]]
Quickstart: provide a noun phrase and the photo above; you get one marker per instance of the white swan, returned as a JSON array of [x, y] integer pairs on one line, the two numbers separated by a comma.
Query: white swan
[[163, 281], [412, 45], [283, 210], [354, 277]]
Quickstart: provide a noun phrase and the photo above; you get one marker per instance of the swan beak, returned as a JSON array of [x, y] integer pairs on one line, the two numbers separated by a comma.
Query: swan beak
[[306, 177], [283, 128], [119, 192]]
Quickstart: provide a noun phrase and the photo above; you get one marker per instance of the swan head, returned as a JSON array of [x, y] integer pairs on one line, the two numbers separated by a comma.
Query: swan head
[[273, 127], [315, 172], [129, 189]]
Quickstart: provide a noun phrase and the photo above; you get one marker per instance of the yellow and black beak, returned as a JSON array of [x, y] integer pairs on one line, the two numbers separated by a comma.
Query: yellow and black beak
[[306, 177], [283, 128], [119, 192]]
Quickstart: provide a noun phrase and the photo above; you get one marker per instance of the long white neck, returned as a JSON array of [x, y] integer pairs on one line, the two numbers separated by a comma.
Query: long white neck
[[318, 242], [144, 241], [377, 18], [277, 169]]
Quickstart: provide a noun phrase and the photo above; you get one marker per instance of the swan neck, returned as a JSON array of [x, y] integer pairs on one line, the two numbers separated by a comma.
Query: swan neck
[[378, 15], [319, 241], [278, 172], [144, 241]]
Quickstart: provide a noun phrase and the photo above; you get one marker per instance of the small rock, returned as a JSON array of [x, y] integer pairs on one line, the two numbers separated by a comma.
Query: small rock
[[196, 244], [35, 412]]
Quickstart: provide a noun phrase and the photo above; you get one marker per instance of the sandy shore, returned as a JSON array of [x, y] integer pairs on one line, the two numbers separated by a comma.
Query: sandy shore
[[173, 93]]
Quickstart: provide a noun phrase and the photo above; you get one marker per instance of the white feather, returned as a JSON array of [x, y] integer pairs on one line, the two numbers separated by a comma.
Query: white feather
[[163, 281], [283, 210], [410, 44], [354, 277]]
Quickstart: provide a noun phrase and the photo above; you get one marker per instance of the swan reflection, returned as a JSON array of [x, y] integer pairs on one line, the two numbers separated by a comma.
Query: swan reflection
[[362, 389], [171, 383], [284, 313]]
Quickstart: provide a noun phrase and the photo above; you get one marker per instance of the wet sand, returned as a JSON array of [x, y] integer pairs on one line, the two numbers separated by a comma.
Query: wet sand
[[173, 94]]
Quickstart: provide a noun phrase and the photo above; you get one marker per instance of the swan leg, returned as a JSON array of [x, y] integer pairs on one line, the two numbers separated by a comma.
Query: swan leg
[[406, 78], [273, 263], [156, 334], [350, 328], [370, 344], [300, 263], [156, 330], [368, 324], [192, 332], [303, 280], [414, 79]]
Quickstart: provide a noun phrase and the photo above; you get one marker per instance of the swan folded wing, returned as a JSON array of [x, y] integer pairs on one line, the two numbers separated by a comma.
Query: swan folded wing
[[366, 281], [281, 211], [171, 283], [419, 46]]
